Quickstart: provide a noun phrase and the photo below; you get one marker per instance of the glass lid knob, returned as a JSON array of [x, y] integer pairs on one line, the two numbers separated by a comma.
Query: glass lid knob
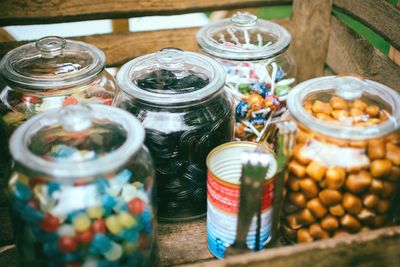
[[50, 46], [75, 118], [244, 19], [350, 86], [170, 58]]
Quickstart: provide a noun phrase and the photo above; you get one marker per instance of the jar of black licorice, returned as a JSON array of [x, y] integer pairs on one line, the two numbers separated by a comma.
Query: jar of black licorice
[[260, 73], [180, 99]]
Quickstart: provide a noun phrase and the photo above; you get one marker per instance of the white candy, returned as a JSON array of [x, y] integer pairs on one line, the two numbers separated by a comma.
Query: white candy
[[51, 102], [66, 230], [128, 192], [90, 262], [115, 253]]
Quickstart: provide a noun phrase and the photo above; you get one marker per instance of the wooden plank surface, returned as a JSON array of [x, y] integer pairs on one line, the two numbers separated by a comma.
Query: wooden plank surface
[[380, 15], [183, 243], [310, 28], [350, 53], [368, 249], [120, 47], [179, 243], [20, 12]]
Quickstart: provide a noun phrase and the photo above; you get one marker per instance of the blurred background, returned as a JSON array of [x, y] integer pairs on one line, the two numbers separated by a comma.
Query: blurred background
[[168, 22]]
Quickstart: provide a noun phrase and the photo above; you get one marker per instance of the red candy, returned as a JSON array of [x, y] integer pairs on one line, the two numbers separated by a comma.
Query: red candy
[[107, 101], [144, 242], [33, 203], [99, 226], [67, 244], [30, 99], [49, 223], [70, 101], [85, 236], [136, 205]]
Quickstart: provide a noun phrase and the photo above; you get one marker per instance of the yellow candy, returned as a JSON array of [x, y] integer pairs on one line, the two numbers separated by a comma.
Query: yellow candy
[[81, 222], [125, 219], [130, 247], [113, 225], [95, 212]]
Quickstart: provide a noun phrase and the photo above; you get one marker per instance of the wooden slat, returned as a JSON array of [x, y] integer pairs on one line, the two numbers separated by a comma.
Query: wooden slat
[[369, 249], [123, 46], [310, 27], [380, 15], [394, 54], [350, 53], [21, 12], [183, 243]]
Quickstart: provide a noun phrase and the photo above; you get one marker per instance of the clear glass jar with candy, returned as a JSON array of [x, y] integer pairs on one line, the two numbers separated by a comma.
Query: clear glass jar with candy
[[49, 73], [344, 170], [179, 97], [259, 71], [81, 188]]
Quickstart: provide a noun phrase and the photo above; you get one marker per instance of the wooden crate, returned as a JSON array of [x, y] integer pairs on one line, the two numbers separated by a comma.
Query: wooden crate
[[320, 42]]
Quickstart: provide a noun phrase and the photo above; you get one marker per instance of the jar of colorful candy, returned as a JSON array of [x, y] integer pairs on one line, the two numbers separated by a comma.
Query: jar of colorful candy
[[344, 171], [179, 98], [259, 72], [82, 189], [49, 73]]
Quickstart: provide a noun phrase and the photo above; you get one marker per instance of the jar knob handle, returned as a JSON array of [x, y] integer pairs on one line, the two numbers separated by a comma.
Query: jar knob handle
[[50, 46], [244, 19], [170, 58], [75, 118], [349, 85]]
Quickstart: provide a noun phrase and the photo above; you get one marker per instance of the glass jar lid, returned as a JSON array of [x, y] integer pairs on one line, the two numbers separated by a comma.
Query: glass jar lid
[[345, 107], [52, 63], [243, 37], [77, 141], [171, 76]]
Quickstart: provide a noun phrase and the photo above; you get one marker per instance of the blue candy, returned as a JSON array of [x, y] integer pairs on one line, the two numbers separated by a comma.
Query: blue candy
[[259, 88], [22, 192], [102, 243], [146, 219], [53, 187], [102, 185], [131, 235], [64, 151], [134, 259], [280, 74], [51, 249], [257, 120], [109, 202], [120, 206], [124, 176], [73, 256], [242, 109], [31, 215]]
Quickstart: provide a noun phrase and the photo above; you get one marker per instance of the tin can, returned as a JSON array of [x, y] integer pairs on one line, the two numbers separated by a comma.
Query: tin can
[[223, 190]]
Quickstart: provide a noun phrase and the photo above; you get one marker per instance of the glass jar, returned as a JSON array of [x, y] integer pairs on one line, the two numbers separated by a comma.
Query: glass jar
[[81, 189], [179, 98], [49, 73], [344, 170], [259, 72]]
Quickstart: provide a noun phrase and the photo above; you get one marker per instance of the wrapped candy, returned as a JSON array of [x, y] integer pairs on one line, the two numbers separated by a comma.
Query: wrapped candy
[[259, 72]]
